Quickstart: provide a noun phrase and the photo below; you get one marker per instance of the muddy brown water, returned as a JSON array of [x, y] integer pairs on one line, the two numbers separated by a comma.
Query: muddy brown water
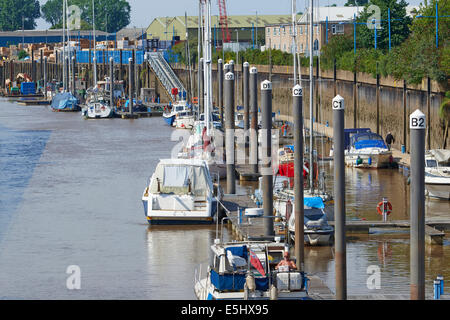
[[70, 194]]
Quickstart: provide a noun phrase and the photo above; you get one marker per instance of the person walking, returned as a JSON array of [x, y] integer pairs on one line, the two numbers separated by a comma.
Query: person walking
[[389, 140]]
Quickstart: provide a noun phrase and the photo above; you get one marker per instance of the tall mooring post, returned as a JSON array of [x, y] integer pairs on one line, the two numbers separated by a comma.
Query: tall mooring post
[[254, 119], [220, 81], [130, 85], [112, 102], [266, 167], [45, 77], [229, 132], [246, 100], [417, 126], [339, 198], [299, 208]]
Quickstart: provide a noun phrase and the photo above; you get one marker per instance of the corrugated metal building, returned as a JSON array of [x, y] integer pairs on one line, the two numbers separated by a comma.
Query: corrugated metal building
[[48, 36], [247, 28]]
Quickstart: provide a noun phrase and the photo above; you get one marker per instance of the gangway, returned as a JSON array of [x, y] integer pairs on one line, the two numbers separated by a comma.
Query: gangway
[[164, 73]]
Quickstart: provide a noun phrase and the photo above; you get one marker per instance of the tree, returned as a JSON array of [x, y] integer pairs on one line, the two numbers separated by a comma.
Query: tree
[[110, 16], [355, 3], [13, 11], [400, 23]]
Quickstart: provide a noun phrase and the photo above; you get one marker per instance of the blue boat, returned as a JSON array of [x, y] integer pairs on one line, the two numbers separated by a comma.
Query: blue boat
[[169, 118], [65, 102]]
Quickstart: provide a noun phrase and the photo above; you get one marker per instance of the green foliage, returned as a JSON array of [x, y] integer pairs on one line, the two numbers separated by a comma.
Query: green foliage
[[12, 12], [22, 54], [400, 23], [110, 16]]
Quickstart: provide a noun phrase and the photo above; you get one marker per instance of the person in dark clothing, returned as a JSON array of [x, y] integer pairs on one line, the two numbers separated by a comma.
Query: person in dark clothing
[[389, 140]]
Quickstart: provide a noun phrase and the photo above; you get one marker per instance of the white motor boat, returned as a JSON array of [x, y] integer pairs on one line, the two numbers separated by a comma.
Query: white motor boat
[[437, 174], [367, 150], [170, 115], [181, 191], [184, 120], [247, 271]]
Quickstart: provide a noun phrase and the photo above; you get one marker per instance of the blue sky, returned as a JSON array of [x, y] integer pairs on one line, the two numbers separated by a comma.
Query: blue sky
[[144, 11]]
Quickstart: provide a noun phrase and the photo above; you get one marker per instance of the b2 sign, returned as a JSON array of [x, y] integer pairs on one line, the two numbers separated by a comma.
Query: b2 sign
[[417, 120]]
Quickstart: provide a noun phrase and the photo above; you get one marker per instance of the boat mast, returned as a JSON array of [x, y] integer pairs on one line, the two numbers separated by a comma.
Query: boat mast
[[188, 55], [311, 97], [207, 65], [294, 39], [64, 46], [95, 44], [199, 50]]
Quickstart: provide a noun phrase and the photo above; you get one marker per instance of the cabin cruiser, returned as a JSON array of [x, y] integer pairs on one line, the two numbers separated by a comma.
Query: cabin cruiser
[[367, 150], [184, 120], [247, 271], [317, 231], [170, 114], [437, 174], [181, 191]]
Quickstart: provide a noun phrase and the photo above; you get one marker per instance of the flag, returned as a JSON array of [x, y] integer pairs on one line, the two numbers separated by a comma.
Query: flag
[[256, 263]]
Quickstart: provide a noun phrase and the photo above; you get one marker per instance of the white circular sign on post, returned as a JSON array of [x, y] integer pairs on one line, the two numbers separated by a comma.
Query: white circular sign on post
[[220, 61], [253, 70], [266, 85], [229, 76], [297, 91], [226, 66], [338, 103], [246, 64], [417, 120]]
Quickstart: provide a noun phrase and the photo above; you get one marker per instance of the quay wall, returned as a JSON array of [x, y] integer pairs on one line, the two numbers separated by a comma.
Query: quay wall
[[393, 113]]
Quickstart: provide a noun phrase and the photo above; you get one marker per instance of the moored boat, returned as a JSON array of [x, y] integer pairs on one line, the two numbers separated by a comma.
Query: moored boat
[[367, 150], [65, 102], [437, 174], [181, 191], [250, 271]]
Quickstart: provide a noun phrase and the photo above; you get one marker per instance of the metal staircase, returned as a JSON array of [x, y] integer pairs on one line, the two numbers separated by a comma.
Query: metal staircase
[[164, 72]]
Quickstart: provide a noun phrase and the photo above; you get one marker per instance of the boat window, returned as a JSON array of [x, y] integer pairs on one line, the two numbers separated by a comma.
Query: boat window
[[431, 163], [179, 108]]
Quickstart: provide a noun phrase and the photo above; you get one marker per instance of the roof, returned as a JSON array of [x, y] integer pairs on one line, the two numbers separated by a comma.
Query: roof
[[43, 33], [131, 33], [332, 13], [237, 21]]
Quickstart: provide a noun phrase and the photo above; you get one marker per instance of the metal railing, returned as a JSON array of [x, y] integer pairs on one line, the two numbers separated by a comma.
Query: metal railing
[[164, 72]]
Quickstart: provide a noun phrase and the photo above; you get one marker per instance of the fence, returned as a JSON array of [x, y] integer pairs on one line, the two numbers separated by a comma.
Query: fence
[[103, 56]]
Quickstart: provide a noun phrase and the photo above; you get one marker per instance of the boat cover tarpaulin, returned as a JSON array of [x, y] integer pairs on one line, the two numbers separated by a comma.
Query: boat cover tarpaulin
[[236, 281], [240, 251], [362, 144], [441, 155], [63, 101], [313, 202]]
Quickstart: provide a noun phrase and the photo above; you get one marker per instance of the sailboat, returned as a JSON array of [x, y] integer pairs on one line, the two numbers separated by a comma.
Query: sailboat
[[317, 231], [98, 103], [65, 101], [206, 131]]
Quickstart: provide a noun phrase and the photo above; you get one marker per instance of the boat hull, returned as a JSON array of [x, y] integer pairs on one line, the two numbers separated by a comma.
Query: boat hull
[[368, 160], [169, 119], [438, 190]]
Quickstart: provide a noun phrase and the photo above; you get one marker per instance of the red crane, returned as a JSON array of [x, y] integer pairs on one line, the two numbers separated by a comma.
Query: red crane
[[226, 37]]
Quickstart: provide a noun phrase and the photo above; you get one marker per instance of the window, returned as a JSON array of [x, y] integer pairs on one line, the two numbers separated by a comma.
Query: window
[[301, 47], [337, 28], [316, 45], [301, 30], [268, 31]]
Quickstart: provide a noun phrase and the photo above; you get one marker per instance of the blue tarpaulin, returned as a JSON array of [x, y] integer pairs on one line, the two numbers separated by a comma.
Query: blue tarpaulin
[[239, 251], [314, 202], [362, 144], [236, 281]]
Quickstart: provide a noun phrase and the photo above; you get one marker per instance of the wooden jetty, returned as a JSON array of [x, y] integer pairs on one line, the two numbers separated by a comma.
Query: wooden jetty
[[33, 102], [139, 114], [244, 173]]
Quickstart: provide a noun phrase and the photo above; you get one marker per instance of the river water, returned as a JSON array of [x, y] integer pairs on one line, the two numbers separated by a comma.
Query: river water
[[70, 195]]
